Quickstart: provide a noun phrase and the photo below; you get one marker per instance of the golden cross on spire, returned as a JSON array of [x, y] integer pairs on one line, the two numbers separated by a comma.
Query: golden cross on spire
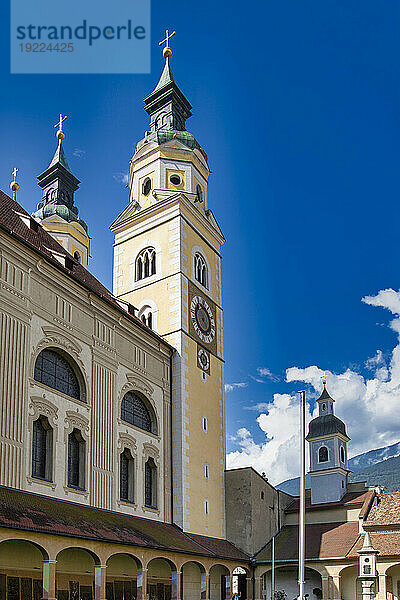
[[324, 378], [60, 134], [14, 185], [167, 52]]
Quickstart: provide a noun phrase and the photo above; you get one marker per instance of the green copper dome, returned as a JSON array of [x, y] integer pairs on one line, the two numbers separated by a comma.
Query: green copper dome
[[59, 185]]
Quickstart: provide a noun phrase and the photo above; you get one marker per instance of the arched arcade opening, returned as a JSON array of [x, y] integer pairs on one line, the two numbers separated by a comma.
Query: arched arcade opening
[[22, 564], [286, 580]]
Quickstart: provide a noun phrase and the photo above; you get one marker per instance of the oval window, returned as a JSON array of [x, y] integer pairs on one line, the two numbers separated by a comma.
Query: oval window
[[146, 186], [175, 179]]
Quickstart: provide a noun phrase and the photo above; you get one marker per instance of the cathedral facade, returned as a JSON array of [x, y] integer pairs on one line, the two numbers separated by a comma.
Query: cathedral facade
[[112, 428]]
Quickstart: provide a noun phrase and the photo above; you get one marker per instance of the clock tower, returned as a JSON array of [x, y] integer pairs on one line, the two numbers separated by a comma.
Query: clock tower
[[167, 263]]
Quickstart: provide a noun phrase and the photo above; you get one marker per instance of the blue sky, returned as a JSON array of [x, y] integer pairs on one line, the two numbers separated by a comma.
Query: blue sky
[[297, 105]]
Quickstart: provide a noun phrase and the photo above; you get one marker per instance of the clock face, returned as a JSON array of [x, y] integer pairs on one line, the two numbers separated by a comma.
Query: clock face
[[203, 359], [202, 319]]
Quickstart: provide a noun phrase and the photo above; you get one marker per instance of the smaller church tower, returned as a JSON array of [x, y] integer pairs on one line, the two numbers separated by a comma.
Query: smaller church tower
[[56, 212], [328, 453]]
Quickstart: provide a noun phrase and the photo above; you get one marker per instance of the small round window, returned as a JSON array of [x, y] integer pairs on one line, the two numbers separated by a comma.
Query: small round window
[[146, 186], [175, 179]]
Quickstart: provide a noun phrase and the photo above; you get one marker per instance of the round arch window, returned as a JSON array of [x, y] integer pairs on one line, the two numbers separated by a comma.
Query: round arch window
[[57, 371], [77, 256], [146, 188], [135, 411], [175, 179]]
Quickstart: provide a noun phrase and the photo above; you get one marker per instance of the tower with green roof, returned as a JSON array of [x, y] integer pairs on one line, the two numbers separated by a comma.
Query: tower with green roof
[[57, 212]]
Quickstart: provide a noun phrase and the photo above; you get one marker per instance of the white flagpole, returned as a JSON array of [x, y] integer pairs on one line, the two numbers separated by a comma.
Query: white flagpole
[[273, 570], [302, 515]]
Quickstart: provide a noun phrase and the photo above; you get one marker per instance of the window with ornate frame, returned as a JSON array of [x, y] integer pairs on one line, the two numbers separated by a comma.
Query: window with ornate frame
[[200, 269], [135, 412], [145, 263], [56, 371], [150, 484], [126, 476], [42, 449], [76, 460]]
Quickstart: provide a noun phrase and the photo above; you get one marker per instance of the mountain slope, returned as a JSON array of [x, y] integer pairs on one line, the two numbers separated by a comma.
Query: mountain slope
[[360, 465], [385, 473]]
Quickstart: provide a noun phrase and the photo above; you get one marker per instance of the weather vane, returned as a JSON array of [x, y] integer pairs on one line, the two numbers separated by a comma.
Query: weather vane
[[14, 185], [60, 134], [167, 52]]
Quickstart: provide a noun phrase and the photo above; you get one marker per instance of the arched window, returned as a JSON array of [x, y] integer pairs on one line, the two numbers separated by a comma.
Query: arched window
[[199, 193], [150, 484], [52, 369], [206, 507], [145, 263], [126, 480], [204, 422], [135, 412], [342, 454], [323, 454], [146, 316], [77, 256], [76, 460], [200, 269], [42, 449]]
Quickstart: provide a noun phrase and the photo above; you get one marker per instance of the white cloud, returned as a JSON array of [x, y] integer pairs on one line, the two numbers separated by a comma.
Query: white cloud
[[121, 177], [260, 406], [79, 153], [229, 387], [368, 405], [267, 373]]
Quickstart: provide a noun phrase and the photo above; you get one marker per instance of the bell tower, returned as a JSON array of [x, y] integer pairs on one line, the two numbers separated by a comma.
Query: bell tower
[[57, 212], [167, 263], [328, 440]]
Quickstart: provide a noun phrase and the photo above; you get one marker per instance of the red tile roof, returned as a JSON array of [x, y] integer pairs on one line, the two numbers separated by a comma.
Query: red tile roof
[[33, 512], [385, 512], [388, 543], [43, 243], [351, 498], [323, 540], [219, 546]]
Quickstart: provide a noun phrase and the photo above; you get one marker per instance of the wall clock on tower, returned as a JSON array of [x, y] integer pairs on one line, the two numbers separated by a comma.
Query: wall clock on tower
[[202, 319], [203, 359]]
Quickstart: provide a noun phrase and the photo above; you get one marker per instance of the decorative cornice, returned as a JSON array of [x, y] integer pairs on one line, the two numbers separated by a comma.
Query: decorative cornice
[[127, 441], [138, 384], [76, 420], [53, 336]]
